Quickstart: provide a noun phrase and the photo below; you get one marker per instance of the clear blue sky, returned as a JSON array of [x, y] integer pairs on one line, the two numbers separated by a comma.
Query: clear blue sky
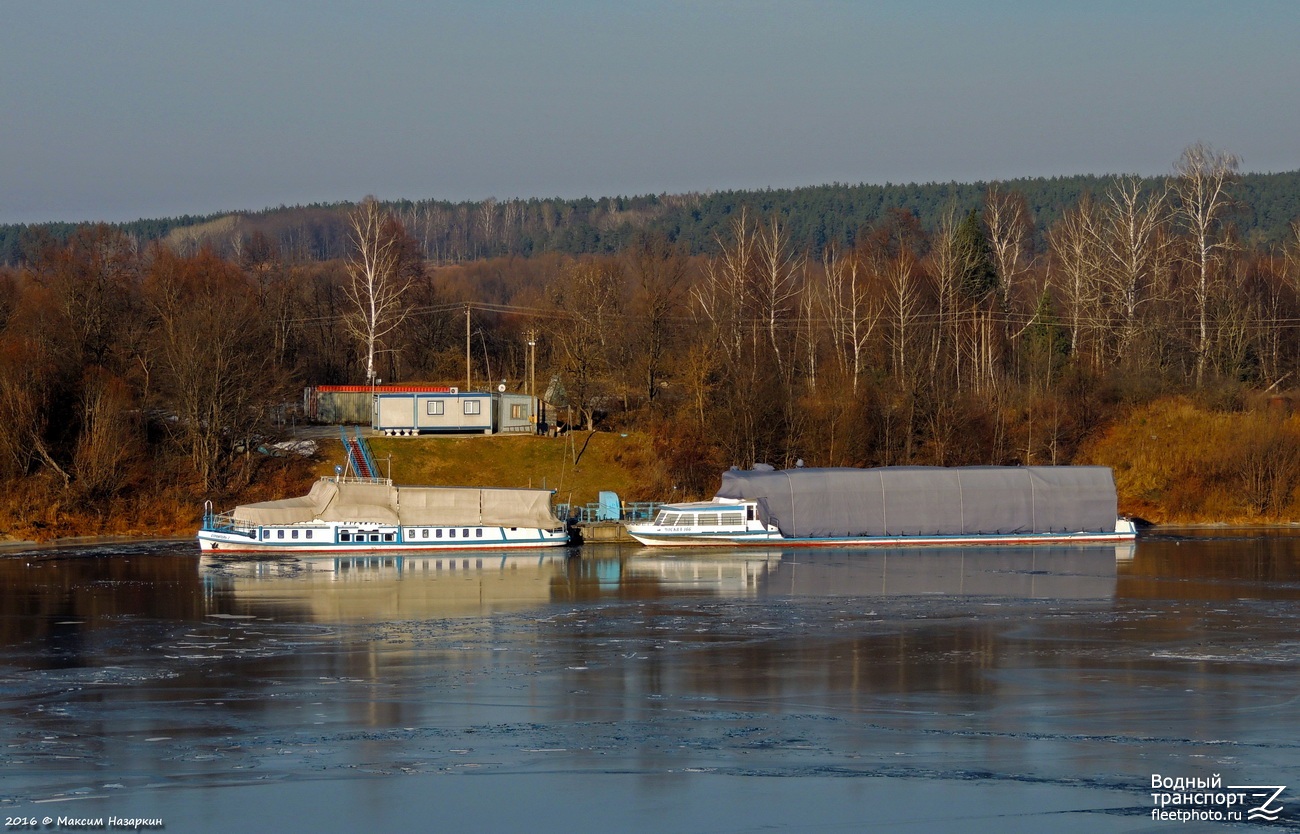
[[119, 110]]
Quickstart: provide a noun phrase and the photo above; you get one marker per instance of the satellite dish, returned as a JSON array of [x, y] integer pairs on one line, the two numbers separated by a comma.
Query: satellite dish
[[502, 388]]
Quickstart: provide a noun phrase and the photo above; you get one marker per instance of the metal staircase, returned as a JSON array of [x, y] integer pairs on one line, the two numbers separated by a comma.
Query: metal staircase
[[357, 454]]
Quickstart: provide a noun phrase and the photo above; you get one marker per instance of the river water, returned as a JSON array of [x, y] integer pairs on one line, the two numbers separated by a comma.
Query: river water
[[624, 689]]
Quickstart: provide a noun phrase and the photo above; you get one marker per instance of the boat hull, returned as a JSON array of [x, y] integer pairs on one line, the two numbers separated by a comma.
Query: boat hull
[[224, 541], [655, 536]]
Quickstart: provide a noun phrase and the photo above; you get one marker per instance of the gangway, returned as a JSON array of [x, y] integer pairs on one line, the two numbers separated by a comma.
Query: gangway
[[357, 453]]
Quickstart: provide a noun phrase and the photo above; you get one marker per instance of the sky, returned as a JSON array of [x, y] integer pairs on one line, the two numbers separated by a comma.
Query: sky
[[117, 111]]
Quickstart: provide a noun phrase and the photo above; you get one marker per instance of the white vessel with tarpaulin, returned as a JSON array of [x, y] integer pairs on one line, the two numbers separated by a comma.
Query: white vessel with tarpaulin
[[898, 505], [364, 514]]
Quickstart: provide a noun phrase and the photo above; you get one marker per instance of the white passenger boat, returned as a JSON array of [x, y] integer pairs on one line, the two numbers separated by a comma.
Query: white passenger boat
[[891, 506], [370, 514]]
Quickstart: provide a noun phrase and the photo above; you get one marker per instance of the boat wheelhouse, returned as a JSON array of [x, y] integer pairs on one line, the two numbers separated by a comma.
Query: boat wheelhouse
[[369, 514], [912, 505]]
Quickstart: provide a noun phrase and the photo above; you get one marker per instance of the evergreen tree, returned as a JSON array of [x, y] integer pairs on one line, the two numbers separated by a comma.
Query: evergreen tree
[[979, 277]]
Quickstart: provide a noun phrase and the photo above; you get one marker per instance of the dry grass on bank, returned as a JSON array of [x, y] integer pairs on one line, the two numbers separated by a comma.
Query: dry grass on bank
[[40, 508], [1177, 462], [605, 461]]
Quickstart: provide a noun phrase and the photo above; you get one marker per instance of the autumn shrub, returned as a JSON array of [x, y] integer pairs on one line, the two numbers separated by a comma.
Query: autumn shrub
[[1176, 461]]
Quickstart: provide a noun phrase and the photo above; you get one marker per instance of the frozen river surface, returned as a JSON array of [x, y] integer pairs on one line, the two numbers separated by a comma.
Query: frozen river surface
[[973, 689]]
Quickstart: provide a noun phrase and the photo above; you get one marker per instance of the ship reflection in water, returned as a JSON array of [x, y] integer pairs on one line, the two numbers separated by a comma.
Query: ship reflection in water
[[352, 588], [346, 589], [1066, 572]]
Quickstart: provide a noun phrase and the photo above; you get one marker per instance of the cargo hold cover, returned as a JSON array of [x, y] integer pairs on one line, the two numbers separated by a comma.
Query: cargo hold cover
[[929, 500]]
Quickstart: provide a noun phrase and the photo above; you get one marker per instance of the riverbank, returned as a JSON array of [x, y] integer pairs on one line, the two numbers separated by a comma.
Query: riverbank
[[1176, 464]]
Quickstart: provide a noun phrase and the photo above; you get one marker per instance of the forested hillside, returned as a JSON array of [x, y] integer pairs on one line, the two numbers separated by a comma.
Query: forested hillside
[[1006, 326], [814, 217]]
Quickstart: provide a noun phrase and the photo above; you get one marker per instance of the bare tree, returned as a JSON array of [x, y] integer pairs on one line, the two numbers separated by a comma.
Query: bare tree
[[1202, 177], [213, 355], [379, 275], [850, 310], [1006, 213], [587, 305], [948, 261], [110, 439], [775, 283], [1132, 238], [1077, 262], [658, 272]]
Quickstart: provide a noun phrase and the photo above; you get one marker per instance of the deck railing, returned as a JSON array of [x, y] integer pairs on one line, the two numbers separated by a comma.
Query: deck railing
[[628, 511]]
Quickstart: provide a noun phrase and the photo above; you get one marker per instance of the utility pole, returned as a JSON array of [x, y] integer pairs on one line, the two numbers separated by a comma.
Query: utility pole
[[468, 382], [532, 378]]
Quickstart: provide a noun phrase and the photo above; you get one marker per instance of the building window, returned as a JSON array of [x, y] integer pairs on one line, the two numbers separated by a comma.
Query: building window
[[517, 411], [433, 408], [473, 407]]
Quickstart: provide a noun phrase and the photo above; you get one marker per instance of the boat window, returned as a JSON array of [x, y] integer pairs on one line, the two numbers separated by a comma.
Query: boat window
[[731, 519], [424, 534], [294, 534], [478, 533], [686, 520], [667, 519], [662, 519], [451, 534], [465, 533], [374, 537], [279, 534], [749, 512], [437, 534], [266, 534], [410, 534], [388, 537], [345, 537], [309, 534]]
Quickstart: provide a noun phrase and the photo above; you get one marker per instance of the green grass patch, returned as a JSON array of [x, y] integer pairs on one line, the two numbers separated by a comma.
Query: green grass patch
[[604, 461]]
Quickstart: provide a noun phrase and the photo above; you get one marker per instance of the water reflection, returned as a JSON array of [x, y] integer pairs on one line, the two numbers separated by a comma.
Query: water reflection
[[1053, 665], [345, 589], [1031, 573], [358, 588]]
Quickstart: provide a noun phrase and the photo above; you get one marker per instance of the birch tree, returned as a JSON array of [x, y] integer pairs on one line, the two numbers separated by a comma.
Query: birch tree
[[846, 304], [1133, 242], [379, 275], [1007, 216], [1077, 260], [1202, 178]]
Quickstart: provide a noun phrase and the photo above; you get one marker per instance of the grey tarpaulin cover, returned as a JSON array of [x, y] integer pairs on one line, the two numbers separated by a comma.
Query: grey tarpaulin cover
[[408, 505], [929, 500]]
